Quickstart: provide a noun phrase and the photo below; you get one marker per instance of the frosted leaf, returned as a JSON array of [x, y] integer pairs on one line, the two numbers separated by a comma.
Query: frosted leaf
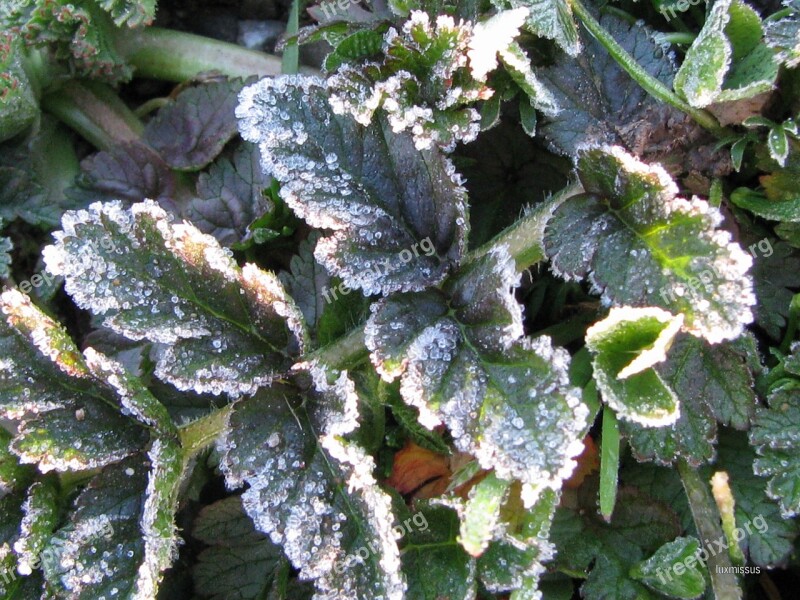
[[307, 281], [312, 491], [223, 329], [462, 361], [69, 420], [551, 19], [13, 475], [783, 36], [712, 383], [601, 103], [398, 215], [40, 516], [481, 522], [120, 536], [640, 244], [728, 60], [626, 345], [776, 437], [493, 36], [519, 68]]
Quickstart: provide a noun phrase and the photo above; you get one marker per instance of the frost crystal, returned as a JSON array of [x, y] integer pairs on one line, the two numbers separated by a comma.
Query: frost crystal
[[397, 214], [221, 329], [310, 490], [463, 361], [640, 244]]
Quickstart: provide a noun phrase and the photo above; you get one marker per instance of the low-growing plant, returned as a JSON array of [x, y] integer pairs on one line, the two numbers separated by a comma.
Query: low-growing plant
[[486, 308]]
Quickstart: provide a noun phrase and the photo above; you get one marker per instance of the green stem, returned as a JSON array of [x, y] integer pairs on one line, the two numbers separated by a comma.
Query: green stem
[[199, 434], [178, 56], [707, 520], [651, 85], [291, 53], [525, 238], [95, 112], [344, 353]]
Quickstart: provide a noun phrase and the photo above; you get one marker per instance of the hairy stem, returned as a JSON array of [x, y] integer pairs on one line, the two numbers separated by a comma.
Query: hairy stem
[[95, 112], [707, 521], [651, 85], [525, 238], [178, 56], [199, 434]]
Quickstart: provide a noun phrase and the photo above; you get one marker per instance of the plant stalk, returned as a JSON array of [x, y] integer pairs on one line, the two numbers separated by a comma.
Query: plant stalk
[[178, 56], [707, 520], [95, 112], [651, 85]]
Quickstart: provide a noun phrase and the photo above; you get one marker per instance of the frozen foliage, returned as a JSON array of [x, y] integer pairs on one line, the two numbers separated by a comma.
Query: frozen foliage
[[550, 19], [432, 72], [626, 345], [385, 202], [709, 74], [312, 491], [640, 244], [119, 538], [67, 419], [40, 515], [506, 399], [783, 35], [219, 328]]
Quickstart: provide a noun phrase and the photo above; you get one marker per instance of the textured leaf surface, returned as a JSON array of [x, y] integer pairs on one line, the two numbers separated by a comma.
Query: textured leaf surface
[[481, 519], [627, 344], [506, 399], [640, 244], [5, 258], [727, 60], [398, 215], [783, 36], [551, 19], [776, 436], [69, 422], [130, 171], [312, 491], [18, 105], [769, 537], [192, 131], [40, 516], [599, 101], [606, 552], [130, 12], [121, 536], [240, 563], [688, 583], [712, 383], [220, 328], [308, 282], [231, 195]]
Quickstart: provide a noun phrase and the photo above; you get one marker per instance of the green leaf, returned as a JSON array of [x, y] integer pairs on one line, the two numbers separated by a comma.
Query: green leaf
[[435, 564], [129, 171], [78, 32], [355, 47], [18, 105], [191, 132], [602, 104], [241, 563], [70, 420], [5, 257], [551, 19], [231, 197], [658, 572], [462, 361], [626, 345], [778, 144], [604, 552], [121, 536], [13, 475], [609, 463], [783, 208], [312, 491], [776, 279], [307, 282], [712, 383], [39, 520], [767, 537], [640, 244], [398, 215], [783, 36], [481, 518], [130, 12], [219, 328], [776, 437], [727, 60]]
